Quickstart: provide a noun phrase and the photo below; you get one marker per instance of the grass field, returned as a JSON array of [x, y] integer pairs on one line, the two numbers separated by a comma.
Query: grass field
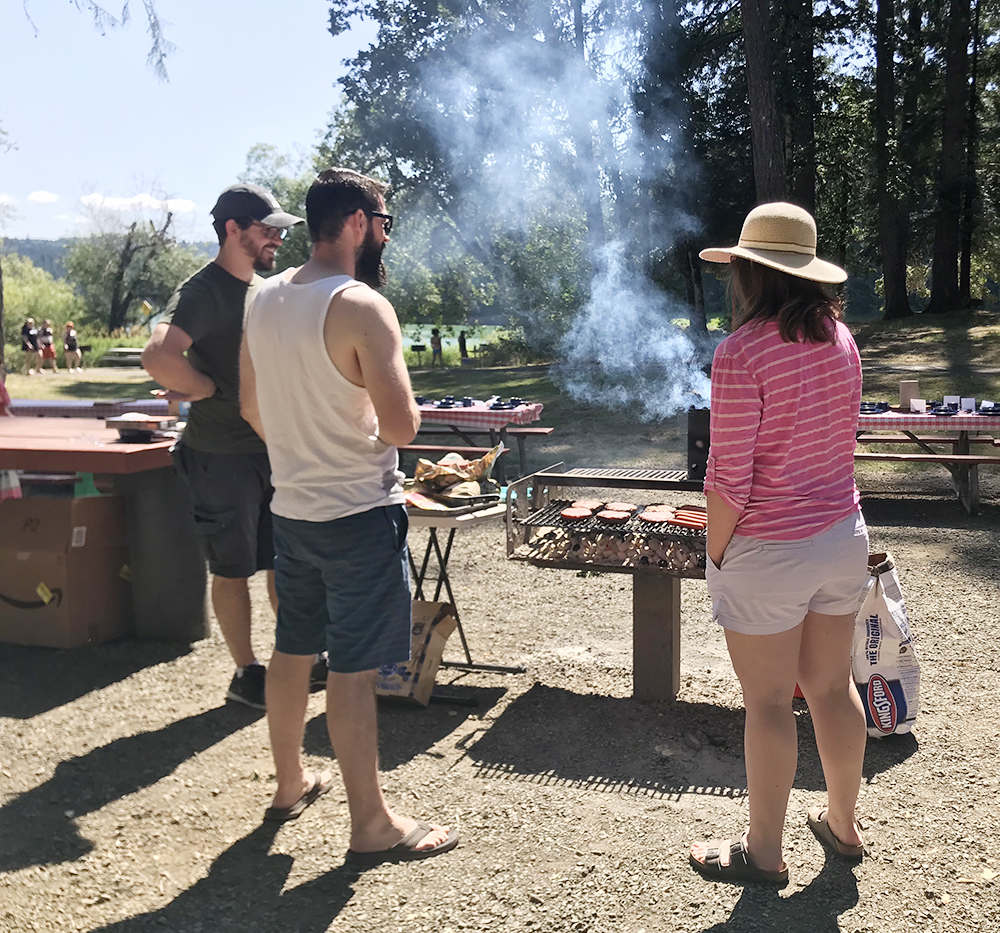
[[958, 355]]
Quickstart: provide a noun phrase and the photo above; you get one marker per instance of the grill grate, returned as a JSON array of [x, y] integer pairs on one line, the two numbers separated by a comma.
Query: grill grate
[[623, 478], [549, 517]]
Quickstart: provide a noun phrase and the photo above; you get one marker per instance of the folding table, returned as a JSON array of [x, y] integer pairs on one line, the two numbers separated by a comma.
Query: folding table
[[432, 521]]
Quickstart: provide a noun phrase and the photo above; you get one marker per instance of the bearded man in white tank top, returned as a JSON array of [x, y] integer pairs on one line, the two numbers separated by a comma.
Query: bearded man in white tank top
[[331, 423]]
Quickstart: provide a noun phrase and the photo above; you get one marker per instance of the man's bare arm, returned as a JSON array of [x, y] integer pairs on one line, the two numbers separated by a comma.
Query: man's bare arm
[[163, 358], [378, 343], [249, 408]]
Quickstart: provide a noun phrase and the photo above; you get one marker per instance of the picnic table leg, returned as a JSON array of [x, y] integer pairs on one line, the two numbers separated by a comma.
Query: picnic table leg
[[965, 477], [656, 636], [500, 468]]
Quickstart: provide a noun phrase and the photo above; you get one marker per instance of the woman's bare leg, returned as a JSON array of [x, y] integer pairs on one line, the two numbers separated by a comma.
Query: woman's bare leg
[[838, 717], [766, 665]]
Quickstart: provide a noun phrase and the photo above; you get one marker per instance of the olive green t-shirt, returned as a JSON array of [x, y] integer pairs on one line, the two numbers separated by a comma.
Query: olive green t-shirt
[[209, 308]]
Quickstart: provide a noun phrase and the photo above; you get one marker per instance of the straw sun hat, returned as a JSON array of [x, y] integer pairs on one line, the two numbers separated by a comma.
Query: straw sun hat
[[783, 237]]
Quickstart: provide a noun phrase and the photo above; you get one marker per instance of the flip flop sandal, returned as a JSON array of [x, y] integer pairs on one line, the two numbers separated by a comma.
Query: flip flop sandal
[[821, 830], [322, 782], [740, 869], [406, 849]]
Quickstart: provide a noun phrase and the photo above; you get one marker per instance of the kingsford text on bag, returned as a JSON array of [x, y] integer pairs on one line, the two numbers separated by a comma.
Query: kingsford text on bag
[[884, 662]]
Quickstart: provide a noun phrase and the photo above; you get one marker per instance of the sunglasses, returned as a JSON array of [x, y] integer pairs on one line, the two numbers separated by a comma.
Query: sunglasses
[[386, 220], [271, 233]]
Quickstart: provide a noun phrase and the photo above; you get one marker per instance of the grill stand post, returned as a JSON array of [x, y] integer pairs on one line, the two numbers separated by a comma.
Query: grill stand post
[[656, 636]]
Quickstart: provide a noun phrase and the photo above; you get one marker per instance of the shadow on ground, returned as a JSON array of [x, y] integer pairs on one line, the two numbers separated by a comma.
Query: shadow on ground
[[555, 737], [815, 908], [35, 827], [244, 890], [913, 510], [406, 731], [34, 680]]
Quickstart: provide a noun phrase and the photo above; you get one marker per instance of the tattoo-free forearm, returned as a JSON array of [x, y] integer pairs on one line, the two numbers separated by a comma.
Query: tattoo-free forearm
[[173, 371]]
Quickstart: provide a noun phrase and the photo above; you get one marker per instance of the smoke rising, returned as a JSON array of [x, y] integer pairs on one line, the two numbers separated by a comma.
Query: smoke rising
[[539, 141]]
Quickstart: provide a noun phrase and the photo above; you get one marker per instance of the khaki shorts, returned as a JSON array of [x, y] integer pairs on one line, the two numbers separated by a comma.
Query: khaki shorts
[[766, 587]]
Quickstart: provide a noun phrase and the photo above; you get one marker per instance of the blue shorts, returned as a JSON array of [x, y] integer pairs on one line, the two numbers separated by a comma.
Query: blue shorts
[[344, 585]]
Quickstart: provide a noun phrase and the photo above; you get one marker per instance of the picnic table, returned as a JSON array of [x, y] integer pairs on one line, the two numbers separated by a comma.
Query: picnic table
[[958, 431], [500, 424], [168, 571]]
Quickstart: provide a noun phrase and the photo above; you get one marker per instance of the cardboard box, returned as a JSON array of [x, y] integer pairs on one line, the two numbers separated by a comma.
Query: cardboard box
[[63, 571], [413, 680]]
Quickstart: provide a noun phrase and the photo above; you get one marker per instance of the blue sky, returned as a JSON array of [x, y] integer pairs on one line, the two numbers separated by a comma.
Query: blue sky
[[100, 138]]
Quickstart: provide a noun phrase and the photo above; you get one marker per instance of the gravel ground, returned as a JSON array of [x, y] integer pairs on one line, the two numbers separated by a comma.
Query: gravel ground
[[131, 796]]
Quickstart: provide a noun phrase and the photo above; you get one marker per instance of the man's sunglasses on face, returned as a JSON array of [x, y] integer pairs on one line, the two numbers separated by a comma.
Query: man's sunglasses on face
[[270, 233], [386, 218]]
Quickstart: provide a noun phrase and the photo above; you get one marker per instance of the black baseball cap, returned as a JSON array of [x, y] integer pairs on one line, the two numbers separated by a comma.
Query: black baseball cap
[[254, 202]]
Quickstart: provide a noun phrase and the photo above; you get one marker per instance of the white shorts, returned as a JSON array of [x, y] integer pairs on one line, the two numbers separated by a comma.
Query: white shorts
[[766, 587]]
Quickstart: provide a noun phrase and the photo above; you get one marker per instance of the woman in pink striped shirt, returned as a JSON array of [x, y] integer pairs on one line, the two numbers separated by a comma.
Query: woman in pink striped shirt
[[787, 544]]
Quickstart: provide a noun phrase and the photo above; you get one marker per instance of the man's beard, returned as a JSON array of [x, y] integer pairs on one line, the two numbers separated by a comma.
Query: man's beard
[[261, 262], [369, 267]]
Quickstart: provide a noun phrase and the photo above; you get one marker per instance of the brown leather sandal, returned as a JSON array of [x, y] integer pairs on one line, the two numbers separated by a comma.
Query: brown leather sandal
[[740, 869], [821, 830]]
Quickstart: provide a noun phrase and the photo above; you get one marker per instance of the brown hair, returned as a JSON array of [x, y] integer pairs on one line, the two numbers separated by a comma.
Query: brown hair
[[336, 194], [803, 309]]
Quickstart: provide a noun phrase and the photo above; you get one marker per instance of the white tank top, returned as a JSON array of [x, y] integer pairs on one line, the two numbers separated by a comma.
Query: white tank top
[[321, 430]]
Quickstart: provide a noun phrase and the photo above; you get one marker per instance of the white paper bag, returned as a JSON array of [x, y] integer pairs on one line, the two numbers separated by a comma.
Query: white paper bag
[[883, 659]]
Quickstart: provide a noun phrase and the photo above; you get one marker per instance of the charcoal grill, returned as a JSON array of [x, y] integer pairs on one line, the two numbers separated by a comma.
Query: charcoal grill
[[657, 555]]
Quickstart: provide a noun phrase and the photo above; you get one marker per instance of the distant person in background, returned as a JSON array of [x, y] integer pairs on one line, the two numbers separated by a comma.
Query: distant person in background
[[463, 350], [71, 349], [46, 343], [436, 357], [220, 457], [30, 348]]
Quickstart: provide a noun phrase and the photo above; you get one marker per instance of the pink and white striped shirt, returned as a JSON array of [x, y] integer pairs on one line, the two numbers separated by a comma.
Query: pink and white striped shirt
[[783, 423]]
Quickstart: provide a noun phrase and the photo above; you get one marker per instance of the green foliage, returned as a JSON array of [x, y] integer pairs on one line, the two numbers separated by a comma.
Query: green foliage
[[115, 272], [32, 292]]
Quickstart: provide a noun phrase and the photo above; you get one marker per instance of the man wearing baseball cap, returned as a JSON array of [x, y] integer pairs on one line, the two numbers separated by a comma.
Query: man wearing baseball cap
[[195, 357]]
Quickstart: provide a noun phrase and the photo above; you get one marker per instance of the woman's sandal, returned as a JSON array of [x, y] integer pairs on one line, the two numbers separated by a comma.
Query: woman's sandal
[[740, 869], [821, 830]]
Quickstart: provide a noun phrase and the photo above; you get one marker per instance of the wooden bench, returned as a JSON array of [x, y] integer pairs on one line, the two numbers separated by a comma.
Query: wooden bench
[[964, 469], [121, 356], [519, 432], [923, 439]]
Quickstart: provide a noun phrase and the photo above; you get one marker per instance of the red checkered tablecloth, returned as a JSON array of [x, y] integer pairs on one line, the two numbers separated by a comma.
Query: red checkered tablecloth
[[898, 421], [479, 416]]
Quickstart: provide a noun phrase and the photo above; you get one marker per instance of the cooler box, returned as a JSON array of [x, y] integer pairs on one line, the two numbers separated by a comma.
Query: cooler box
[[63, 571]]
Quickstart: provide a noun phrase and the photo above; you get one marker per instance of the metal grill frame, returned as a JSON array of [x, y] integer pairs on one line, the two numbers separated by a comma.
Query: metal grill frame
[[532, 495], [656, 591]]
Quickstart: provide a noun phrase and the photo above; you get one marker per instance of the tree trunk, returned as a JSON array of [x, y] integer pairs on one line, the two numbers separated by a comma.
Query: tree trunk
[[891, 220], [800, 102], [768, 151], [971, 193], [699, 322], [591, 193], [951, 175]]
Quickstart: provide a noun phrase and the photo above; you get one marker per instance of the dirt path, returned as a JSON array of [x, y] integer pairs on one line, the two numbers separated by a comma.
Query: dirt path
[[131, 797]]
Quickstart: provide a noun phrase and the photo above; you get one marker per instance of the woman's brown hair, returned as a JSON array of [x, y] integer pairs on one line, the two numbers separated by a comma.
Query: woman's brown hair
[[803, 309]]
